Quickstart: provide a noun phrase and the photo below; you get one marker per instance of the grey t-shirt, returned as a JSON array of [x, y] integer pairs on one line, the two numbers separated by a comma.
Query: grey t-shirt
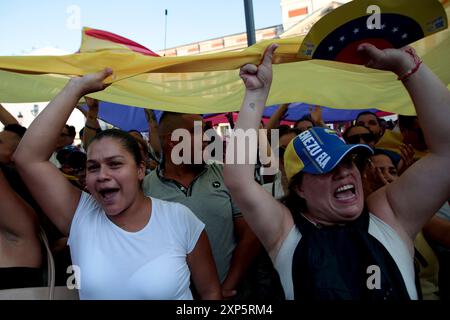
[[209, 199]]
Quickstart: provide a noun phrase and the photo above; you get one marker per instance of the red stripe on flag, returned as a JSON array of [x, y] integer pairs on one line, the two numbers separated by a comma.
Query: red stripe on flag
[[104, 35]]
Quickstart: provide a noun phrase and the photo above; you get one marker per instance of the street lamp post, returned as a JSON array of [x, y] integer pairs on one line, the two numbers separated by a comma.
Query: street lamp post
[[249, 22]]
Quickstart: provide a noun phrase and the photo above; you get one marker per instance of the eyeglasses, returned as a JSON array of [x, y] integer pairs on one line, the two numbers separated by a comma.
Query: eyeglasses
[[356, 138]]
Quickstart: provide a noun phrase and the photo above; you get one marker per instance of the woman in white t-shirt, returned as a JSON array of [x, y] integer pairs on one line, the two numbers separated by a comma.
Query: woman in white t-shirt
[[125, 245]]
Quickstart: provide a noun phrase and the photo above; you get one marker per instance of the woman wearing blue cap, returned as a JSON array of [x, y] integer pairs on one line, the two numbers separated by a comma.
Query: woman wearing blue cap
[[324, 240]]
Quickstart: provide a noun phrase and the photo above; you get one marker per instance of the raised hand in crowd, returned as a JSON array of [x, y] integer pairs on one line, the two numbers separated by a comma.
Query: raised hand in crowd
[[316, 116], [277, 116], [153, 136], [92, 126], [6, 117], [407, 158], [229, 116]]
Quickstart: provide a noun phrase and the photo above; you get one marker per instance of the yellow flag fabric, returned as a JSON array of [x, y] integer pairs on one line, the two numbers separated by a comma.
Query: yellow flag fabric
[[210, 83], [392, 140]]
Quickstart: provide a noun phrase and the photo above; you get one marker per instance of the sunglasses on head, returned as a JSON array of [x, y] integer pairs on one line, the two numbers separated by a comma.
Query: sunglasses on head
[[356, 138]]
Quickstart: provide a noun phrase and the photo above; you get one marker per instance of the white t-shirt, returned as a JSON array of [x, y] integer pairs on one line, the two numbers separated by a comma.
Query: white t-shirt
[[147, 264], [378, 229], [53, 159]]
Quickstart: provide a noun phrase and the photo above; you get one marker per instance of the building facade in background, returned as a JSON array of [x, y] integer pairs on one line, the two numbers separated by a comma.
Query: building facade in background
[[298, 16]]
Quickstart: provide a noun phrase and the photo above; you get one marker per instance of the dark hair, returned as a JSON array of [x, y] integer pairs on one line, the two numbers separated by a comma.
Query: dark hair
[[295, 131], [71, 130], [306, 117], [367, 113], [142, 144], [127, 141], [407, 122], [282, 128], [411, 123], [64, 153], [71, 156], [138, 132], [387, 153], [16, 128], [292, 200]]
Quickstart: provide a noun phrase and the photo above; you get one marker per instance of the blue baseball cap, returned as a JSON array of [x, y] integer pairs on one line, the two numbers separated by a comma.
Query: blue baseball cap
[[318, 151]]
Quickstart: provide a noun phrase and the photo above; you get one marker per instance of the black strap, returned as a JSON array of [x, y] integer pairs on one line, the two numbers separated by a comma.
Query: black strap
[[332, 263], [418, 260]]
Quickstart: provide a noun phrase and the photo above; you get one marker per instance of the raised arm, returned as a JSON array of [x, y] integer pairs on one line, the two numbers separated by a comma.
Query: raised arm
[[153, 137], [269, 219], [274, 121], [316, 116], [19, 231], [229, 116], [92, 125], [6, 117], [411, 200], [53, 192]]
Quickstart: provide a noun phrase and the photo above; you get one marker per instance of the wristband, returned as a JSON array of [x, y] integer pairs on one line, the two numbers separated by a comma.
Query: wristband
[[92, 128], [417, 62]]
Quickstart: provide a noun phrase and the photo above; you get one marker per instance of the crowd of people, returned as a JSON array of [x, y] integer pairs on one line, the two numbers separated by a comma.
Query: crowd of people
[[361, 214]]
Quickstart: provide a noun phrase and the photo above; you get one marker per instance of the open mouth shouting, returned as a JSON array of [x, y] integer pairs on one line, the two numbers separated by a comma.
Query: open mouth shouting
[[107, 195], [345, 193]]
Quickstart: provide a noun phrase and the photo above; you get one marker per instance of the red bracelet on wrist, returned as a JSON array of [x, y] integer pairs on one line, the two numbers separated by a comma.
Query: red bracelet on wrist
[[417, 62]]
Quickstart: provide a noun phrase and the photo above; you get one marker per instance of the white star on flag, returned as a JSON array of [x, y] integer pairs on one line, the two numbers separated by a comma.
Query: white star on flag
[[356, 31], [330, 48], [341, 39], [395, 29], [405, 36]]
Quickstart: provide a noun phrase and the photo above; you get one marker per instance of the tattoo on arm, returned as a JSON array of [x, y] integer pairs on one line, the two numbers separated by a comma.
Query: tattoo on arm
[[252, 105]]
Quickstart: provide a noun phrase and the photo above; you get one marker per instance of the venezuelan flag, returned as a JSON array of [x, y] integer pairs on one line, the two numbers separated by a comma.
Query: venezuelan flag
[[210, 83]]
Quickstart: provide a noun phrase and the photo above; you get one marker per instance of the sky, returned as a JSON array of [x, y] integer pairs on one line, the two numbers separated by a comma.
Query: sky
[[27, 25]]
